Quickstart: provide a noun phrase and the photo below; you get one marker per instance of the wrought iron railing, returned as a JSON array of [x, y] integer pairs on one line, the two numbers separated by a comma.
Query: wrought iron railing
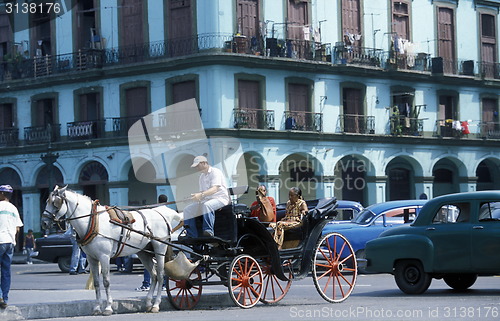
[[489, 70], [42, 134], [304, 121], [358, 124], [343, 54], [86, 129], [253, 118], [9, 137], [406, 126], [121, 125], [451, 128], [489, 130]]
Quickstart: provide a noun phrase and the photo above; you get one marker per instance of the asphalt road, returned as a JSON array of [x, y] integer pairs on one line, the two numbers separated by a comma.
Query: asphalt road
[[375, 297]]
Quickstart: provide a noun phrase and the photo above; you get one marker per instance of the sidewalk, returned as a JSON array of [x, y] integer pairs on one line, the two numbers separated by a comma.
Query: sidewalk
[[41, 291]]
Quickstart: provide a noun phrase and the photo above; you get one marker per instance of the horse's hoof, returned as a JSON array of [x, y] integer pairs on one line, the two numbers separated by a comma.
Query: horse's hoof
[[148, 309], [97, 312], [155, 310], [107, 312]]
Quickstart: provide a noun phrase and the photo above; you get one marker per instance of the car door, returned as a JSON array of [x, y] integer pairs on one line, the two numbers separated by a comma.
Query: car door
[[450, 234], [486, 238]]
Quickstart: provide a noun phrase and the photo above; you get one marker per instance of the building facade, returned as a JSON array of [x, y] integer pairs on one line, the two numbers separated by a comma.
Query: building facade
[[346, 98]]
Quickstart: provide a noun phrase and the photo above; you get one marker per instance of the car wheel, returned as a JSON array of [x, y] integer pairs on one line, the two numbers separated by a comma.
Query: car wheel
[[460, 281], [411, 277], [64, 263]]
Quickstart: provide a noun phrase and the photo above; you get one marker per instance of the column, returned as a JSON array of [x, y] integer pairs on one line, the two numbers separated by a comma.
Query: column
[[31, 211], [118, 196]]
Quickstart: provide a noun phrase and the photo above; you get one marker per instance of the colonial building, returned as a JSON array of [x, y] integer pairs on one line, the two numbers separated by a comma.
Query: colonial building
[[362, 100]]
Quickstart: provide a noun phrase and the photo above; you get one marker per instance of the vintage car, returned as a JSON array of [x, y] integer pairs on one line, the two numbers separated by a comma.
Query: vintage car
[[456, 237], [346, 210], [372, 221]]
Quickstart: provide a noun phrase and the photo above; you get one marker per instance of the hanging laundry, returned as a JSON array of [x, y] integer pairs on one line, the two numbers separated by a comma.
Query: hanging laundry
[[317, 35], [307, 33], [456, 125]]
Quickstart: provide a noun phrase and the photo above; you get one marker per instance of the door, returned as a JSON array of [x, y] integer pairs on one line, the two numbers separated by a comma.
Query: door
[[249, 104], [353, 111], [248, 18], [446, 39], [180, 27], [132, 23], [399, 184], [450, 233], [486, 238], [488, 46], [299, 107], [6, 116], [136, 104], [183, 91], [87, 35]]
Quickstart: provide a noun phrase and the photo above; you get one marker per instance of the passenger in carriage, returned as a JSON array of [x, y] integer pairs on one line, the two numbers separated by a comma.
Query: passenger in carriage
[[264, 208], [296, 208], [212, 196]]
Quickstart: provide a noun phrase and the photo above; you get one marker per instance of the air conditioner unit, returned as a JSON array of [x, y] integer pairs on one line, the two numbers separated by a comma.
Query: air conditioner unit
[[468, 67], [437, 65]]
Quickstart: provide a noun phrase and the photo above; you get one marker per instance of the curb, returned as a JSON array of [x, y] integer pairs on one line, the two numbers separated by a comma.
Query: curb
[[85, 308]]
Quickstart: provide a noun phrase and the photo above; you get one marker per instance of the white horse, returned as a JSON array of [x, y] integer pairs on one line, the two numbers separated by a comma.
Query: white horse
[[101, 240]]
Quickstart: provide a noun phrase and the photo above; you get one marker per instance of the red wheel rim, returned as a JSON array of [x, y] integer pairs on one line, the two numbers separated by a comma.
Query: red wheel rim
[[245, 283], [183, 294], [335, 268], [275, 289]]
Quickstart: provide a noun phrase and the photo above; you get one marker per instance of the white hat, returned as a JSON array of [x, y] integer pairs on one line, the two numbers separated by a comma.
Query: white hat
[[6, 188], [199, 159]]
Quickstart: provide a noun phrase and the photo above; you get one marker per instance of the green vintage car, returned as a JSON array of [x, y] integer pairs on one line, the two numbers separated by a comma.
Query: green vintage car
[[455, 237]]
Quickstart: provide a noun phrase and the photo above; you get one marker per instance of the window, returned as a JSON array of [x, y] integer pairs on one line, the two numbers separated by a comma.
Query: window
[[488, 45], [180, 26], [446, 39], [41, 33], [352, 99], [447, 107], [401, 19], [183, 90], [131, 14], [248, 18], [6, 36], [298, 19], [87, 34], [489, 212], [45, 112], [490, 110], [452, 213]]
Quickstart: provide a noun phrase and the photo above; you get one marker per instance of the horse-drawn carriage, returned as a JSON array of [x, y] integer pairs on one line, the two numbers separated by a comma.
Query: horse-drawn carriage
[[242, 255]]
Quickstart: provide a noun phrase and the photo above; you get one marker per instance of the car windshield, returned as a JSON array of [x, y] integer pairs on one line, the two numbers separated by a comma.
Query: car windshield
[[364, 217]]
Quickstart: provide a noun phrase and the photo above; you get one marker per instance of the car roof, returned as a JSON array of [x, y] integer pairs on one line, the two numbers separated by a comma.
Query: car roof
[[385, 206], [348, 204], [482, 195]]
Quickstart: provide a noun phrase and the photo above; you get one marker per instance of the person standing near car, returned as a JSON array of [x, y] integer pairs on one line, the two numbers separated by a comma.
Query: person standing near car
[[10, 222], [29, 246]]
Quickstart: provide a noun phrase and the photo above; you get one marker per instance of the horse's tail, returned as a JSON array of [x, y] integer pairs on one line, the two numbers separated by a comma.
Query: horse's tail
[[90, 281]]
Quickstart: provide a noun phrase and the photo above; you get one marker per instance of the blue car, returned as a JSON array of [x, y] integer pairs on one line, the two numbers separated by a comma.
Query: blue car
[[347, 210], [373, 220]]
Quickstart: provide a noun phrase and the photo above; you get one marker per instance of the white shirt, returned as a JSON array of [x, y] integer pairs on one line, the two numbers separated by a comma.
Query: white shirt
[[214, 177], [9, 221]]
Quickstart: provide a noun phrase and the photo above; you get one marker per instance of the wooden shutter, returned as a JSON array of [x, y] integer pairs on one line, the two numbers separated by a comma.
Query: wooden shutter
[[248, 17], [297, 19], [490, 110], [44, 109], [183, 91], [90, 106], [180, 19], [6, 116], [351, 20], [249, 94], [298, 97], [137, 101], [352, 101], [85, 23], [488, 45], [401, 19], [6, 35], [131, 27], [446, 38]]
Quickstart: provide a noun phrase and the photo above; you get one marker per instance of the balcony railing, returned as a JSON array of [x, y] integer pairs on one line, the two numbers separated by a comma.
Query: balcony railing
[[302, 120], [391, 60], [42, 134], [489, 130], [358, 124], [253, 118], [86, 129], [489, 70], [9, 137], [451, 128], [406, 126], [343, 54], [121, 125]]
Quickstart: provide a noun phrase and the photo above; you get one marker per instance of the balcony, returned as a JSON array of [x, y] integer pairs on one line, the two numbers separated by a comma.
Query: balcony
[[86, 129], [303, 121], [121, 125], [42, 134], [406, 126], [253, 118], [357, 124], [489, 130], [451, 128], [9, 137], [362, 56]]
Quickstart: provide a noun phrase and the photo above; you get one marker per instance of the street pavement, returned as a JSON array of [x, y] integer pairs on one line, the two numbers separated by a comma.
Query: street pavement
[[42, 291]]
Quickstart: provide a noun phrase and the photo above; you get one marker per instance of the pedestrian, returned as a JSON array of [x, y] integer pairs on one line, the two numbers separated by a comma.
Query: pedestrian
[[212, 195], [29, 246], [10, 223], [78, 260]]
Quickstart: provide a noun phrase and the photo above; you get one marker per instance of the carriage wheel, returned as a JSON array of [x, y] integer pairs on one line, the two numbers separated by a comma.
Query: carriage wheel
[[275, 289], [334, 268], [245, 281], [184, 294]]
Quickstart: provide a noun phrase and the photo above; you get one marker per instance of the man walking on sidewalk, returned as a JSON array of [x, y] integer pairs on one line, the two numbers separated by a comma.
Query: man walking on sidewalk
[[10, 222]]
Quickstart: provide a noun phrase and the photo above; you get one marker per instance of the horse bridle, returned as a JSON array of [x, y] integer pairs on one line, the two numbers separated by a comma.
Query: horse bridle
[[65, 201]]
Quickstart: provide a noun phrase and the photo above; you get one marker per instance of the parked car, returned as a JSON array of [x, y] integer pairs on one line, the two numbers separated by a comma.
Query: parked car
[[57, 248], [347, 210], [373, 220], [456, 237]]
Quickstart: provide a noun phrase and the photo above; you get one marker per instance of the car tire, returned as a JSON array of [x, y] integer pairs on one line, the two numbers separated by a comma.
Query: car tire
[[411, 277], [360, 254], [460, 282], [64, 262]]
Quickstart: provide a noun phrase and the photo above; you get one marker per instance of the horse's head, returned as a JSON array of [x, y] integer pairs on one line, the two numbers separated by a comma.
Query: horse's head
[[56, 204]]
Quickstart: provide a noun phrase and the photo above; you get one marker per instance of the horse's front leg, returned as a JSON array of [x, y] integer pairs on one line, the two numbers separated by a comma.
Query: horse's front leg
[[108, 310], [95, 270]]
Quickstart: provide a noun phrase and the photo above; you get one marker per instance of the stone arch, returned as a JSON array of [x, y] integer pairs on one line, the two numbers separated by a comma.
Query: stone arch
[[400, 173], [488, 174], [351, 173], [93, 179], [141, 184], [300, 170], [446, 175]]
